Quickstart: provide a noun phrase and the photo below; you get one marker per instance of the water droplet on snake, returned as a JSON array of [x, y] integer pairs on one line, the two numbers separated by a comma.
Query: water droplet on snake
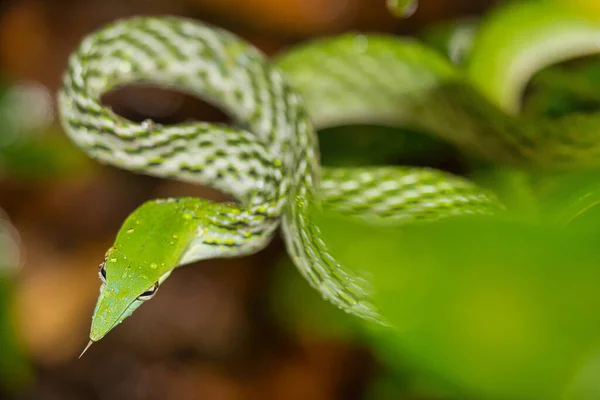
[[147, 124], [153, 266]]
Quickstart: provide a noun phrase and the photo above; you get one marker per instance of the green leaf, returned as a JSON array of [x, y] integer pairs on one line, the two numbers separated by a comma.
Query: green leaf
[[503, 309], [297, 307]]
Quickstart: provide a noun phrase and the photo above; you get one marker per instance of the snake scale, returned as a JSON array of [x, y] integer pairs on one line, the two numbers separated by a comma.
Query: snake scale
[[268, 160]]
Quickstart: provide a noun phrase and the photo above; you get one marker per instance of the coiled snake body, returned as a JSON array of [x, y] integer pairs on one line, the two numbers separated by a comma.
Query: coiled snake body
[[269, 161]]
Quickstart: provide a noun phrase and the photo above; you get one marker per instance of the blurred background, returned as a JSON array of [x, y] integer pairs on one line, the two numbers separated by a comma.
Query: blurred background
[[247, 328]]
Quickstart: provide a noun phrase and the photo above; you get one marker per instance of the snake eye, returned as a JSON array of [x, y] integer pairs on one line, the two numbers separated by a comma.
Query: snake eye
[[102, 272], [148, 294]]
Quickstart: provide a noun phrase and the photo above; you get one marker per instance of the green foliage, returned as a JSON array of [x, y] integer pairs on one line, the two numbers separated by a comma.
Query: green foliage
[[42, 158], [507, 308], [14, 369], [297, 307]]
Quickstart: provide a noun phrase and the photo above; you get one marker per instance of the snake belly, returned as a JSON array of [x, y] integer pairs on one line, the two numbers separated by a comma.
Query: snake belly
[[269, 161]]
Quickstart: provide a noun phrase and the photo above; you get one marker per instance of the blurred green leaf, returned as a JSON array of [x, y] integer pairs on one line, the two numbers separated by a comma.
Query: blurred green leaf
[[297, 307], [42, 157], [505, 309], [14, 367]]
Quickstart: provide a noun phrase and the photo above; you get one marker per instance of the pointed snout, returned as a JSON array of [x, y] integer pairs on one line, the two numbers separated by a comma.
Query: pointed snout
[[112, 308]]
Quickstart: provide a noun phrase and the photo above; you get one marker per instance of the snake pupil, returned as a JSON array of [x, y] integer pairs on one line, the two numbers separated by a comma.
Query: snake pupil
[[102, 272], [148, 294]]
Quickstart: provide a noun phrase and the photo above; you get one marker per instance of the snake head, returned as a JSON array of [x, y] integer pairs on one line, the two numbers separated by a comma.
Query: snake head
[[125, 287], [148, 247]]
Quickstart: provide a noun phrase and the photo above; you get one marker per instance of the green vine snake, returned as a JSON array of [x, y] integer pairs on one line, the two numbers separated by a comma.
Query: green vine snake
[[269, 161]]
